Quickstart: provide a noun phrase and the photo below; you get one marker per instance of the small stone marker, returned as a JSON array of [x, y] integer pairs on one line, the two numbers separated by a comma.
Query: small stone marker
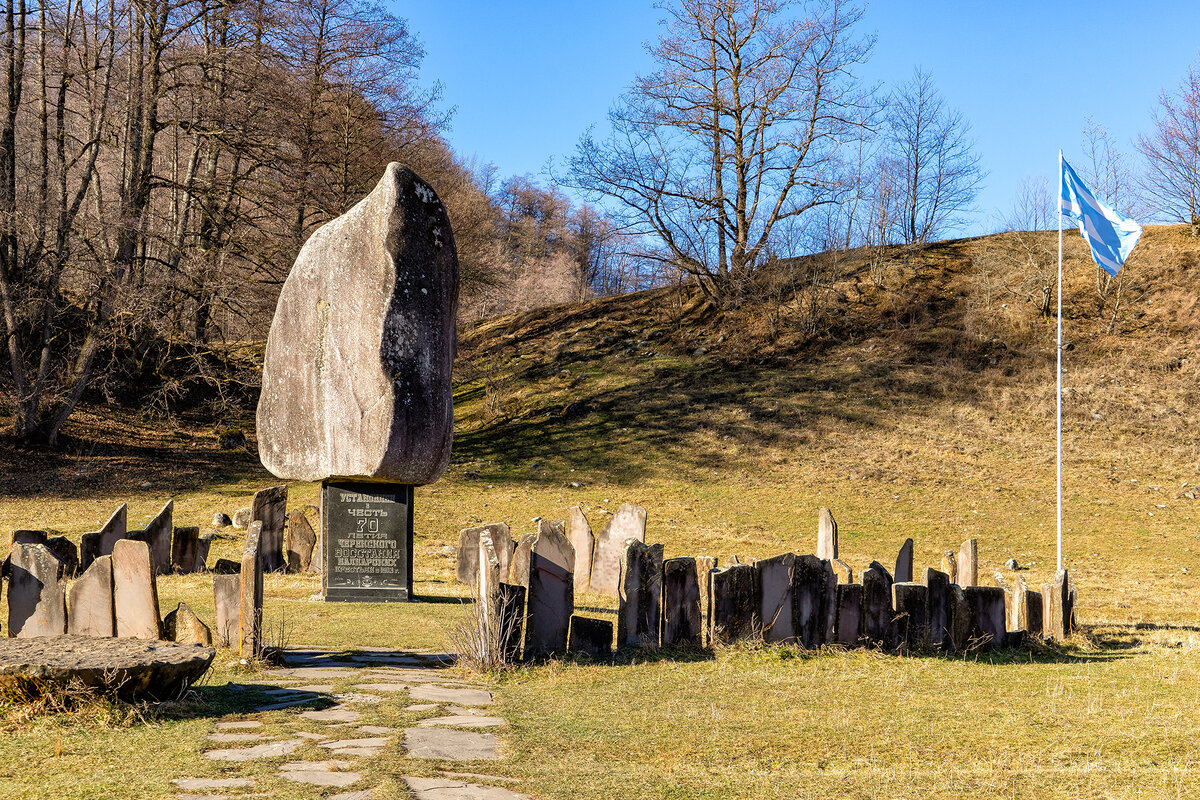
[[682, 624], [910, 604], [135, 591], [591, 637], [904, 563], [301, 540], [100, 543], [269, 507], [849, 617], [986, 604], [90, 608], [841, 571], [628, 523], [227, 600], [1058, 607], [579, 534], [67, 554], [639, 611], [37, 604], [950, 565], [704, 565], [877, 604], [468, 550], [733, 611], [185, 550], [814, 592], [937, 585], [251, 600], [827, 535], [777, 578], [968, 564], [241, 518], [182, 625], [550, 595]]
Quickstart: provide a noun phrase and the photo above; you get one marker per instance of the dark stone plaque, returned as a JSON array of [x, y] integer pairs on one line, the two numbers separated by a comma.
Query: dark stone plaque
[[367, 539]]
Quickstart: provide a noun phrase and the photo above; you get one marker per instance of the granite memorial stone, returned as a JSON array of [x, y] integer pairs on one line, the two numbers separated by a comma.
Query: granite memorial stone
[[367, 540], [90, 608], [37, 603], [135, 591], [877, 604]]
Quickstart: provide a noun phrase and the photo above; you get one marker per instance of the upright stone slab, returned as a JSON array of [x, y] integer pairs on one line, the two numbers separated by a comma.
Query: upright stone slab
[[269, 507], [827, 535], [1057, 607], [227, 600], [502, 607], [250, 603], [24, 536], [628, 523], [299, 541], [904, 563], [704, 565], [682, 624], [776, 581], [367, 539], [986, 604], [67, 554], [1032, 614], [550, 597], [36, 596], [968, 563], [877, 604], [937, 585], [841, 571], [185, 550], [848, 629], [639, 602], [90, 608], [814, 593], [579, 534], [950, 565], [135, 591], [356, 376], [591, 637], [100, 543], [733, 604], [910, 604], [468, 550], [157, 536], [183, 626], [962, 621]]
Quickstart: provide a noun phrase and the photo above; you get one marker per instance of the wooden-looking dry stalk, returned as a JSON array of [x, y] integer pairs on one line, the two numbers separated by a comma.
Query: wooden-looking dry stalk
[[483, 637]]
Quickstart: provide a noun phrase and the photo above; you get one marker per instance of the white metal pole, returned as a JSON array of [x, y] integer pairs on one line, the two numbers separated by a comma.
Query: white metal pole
[[1059, 364]]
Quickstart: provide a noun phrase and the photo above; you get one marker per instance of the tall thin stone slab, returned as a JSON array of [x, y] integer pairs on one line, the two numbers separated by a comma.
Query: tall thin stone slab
[[579, 534], [135, 591], [467, 567], [227, 600], [950, 565], [841, 571], [1032, 613], [157, 536], [827, 535], [550, 597], [185, 550], [36, 596], [628, 523], [986, 604], [904, 563], [704, 565], [968, 563], [1014, 605], [100, 543], [300, 540], [877, 604], [90, 608], [733, 604], [937, 585], [639, 609], [269, 507], [681, 603], [814, 601], [501, 605], [962, 621], [1057, 607], [910, 604], [777, 578], [250, 606], [848, 629]]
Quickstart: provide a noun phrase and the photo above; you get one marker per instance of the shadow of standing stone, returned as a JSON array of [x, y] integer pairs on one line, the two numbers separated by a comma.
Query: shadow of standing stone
[[91, 611], [37, 602]]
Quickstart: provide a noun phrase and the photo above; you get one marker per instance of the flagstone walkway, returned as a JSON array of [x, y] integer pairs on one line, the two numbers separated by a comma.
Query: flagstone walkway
[[327, 717]]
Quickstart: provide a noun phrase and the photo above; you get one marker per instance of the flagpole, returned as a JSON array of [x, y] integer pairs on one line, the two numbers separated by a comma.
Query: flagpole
[[1059, 367]]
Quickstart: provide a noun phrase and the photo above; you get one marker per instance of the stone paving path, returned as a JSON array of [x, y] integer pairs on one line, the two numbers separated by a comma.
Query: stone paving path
[[327, 716]]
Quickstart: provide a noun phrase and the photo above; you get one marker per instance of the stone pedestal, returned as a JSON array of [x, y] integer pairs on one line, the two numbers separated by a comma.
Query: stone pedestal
[[367, 536]]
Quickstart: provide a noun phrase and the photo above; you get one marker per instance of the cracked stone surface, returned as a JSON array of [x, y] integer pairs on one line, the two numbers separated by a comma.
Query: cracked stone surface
[[358, 697], [357, 752], [335, 714], [382, 687], [444, 694], [376, 729], [270, 750], [448, 789], [212, 783], [450, 744], [462, 721], [421, 707], [319, 773], [378, 741]]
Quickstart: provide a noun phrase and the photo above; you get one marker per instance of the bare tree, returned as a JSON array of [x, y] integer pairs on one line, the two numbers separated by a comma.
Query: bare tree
[[1171, 182], [939, 172], [731, 139]]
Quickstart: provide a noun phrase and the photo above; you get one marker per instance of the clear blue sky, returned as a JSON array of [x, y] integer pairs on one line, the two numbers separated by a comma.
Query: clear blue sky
[[527, 78]]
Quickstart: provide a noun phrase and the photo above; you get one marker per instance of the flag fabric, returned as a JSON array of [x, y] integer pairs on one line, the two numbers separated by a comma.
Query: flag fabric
[[1111, 235]]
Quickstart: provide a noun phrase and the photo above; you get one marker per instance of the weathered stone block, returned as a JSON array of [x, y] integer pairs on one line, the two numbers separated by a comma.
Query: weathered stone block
[[1058, 611], [250, 604], [356, 377], [962, 621], [776, 581], [848, 628], [468, 550], [227, 600], [550, 595], [950, 565], [704, 565], [986, 604], [185, 550], [100, 543], [1031, 613], [183, 626], [135, 591], [733, 611], [269, 507], [937, 585], [157, 536], [299, 541], [841, 571], [814, 601], [579, 534], [90, 607], [639, 610], [968, 564], [904, 563], [67, 554], [877, 604], [37, 604], [628, 523], [591, 637], [502, 606], [682, 624], [227, 566], [827, 535], [910, 604]]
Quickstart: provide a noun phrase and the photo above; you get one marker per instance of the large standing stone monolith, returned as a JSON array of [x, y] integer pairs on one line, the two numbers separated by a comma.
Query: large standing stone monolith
[[968, 563], [269, 507], [543, 564], [681, 603], [579, 534], [250, 608], [135, 591], [628, 523], [100, 543], [90, 609], [733, 604], [639, 610], [827, 535], [356, 378], [904, 563], [777, 578], [37, 604]]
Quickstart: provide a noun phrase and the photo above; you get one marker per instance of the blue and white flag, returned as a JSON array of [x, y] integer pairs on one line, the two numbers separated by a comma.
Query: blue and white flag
[[1111, 236]]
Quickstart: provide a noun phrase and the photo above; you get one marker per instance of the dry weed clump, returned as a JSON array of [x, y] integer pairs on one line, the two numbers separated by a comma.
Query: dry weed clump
[[25, 699], [484, 638]]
